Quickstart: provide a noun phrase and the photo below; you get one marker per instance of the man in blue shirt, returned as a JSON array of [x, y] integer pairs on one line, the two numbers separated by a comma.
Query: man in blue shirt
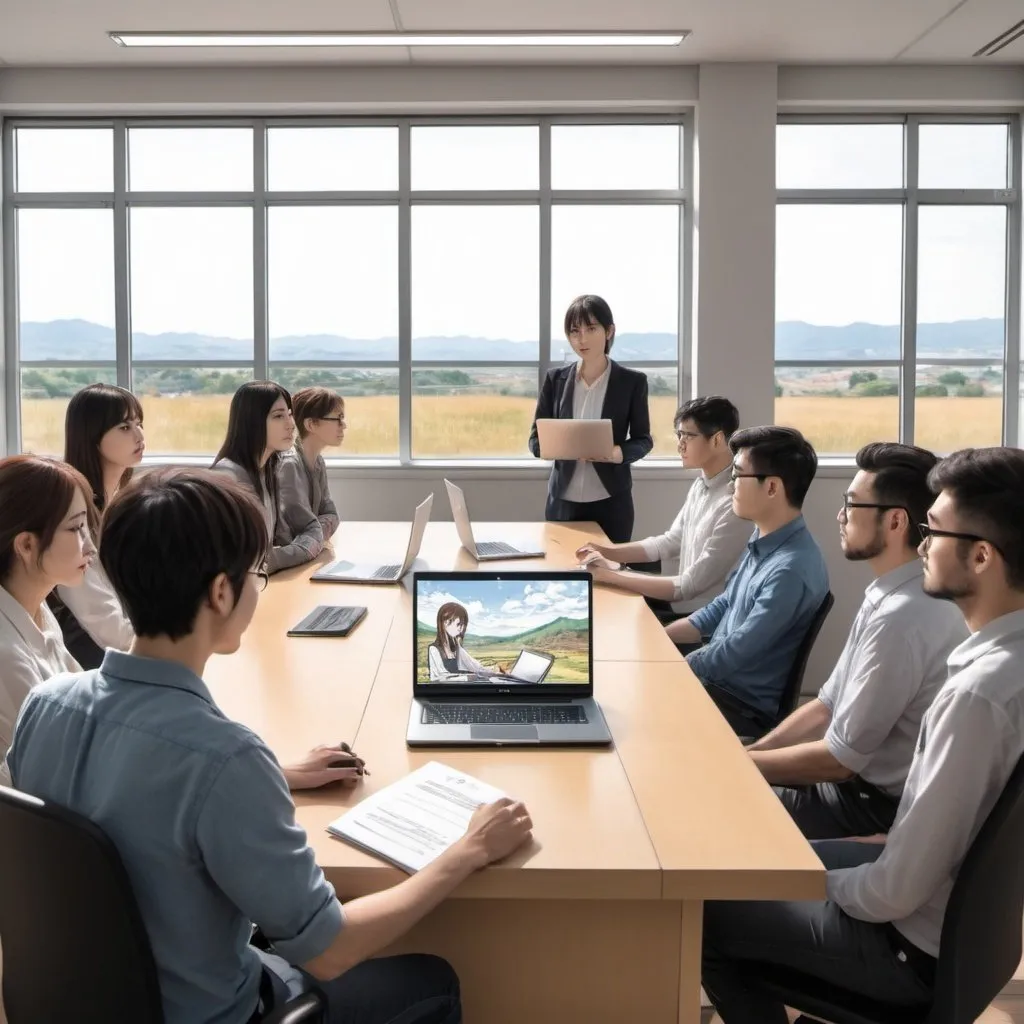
[[756, 626], [199, 808]]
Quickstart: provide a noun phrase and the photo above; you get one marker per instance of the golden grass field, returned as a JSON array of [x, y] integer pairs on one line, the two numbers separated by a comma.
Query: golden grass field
[[493, 425]]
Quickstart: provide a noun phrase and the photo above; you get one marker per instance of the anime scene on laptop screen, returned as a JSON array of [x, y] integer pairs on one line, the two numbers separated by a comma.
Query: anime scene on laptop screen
[[502, 631]]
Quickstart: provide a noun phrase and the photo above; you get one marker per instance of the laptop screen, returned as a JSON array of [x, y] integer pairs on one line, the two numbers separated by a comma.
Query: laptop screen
[[503, 629]]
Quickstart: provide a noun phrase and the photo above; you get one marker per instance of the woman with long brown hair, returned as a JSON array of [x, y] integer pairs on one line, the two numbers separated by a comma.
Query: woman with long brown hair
[[446, 656]]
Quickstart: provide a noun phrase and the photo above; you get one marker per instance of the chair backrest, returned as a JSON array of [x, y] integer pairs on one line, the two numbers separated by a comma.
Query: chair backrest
[[74, 945], [981, 932], [791, 693]]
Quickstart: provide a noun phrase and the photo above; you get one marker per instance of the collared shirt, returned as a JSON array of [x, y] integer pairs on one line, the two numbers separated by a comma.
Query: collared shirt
[[201, 815], [305, 496], [98, 610], [893, 664], [587, 404], [971, 739], [707, 538], [756, 626], [28, 656]]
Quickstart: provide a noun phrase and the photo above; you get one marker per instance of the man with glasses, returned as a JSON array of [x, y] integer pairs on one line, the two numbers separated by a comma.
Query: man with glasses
[[756, 626], [707, 537], [877, 934], [840, 761]]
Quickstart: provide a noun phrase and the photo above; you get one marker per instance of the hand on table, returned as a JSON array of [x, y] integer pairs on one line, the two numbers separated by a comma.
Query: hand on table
[[324, 765], [496, 829], [585, 551]]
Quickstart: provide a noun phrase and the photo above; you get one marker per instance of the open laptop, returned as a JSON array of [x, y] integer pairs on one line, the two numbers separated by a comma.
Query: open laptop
[[504, 658], [481, 550], [342, 571]]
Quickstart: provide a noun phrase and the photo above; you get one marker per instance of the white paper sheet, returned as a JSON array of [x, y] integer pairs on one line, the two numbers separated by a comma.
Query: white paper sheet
[[413, 821]]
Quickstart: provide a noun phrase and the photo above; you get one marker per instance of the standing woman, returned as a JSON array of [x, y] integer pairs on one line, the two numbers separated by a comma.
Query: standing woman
[[319, 415], [260, 428], [103, 440], [45, 541], [595, 388]]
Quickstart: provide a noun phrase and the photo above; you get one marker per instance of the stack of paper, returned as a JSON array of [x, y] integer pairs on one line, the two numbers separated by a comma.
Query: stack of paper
[[413, 821]]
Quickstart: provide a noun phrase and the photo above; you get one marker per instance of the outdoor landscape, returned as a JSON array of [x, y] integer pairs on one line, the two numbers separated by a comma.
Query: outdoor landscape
[[477, 412]]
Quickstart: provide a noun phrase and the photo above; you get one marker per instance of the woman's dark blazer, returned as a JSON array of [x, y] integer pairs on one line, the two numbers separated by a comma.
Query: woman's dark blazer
[[625, 404]]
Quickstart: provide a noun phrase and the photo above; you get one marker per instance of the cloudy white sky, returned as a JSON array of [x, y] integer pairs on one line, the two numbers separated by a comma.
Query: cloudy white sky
[[475, 269], [504, 607]]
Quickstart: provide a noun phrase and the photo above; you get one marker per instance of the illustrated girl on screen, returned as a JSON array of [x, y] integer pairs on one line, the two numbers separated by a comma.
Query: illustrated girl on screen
[[446, 656]]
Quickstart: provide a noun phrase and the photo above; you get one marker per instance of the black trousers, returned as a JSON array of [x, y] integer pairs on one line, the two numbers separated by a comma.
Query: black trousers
[[832, 810], [411, 989], [614, 515], [815, 938]]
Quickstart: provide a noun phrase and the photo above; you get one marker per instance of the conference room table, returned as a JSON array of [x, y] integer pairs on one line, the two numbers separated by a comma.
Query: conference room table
[[598, 919]]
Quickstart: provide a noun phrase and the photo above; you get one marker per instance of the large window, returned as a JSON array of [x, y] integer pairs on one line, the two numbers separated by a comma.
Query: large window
[[895, 241], [420, 267]]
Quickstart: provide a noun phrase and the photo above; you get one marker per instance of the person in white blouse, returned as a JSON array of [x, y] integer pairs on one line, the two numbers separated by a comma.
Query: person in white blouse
[[446, 657], [319, 415], [260, 428], [104, 441], [707, 537], [45, 541]]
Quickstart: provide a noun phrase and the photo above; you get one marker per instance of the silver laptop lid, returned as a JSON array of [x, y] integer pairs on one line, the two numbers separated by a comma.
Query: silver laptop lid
[[503, 634], [419, 527], [463, 526]]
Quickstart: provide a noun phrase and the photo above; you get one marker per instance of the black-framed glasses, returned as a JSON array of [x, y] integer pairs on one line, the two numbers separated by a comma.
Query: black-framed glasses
[[262, 579], [847, 505], [334, 419], [930, 531], [687, 435]]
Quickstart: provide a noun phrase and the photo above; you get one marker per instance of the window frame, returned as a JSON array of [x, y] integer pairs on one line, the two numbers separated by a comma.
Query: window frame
[[261, 200], [911, 198]]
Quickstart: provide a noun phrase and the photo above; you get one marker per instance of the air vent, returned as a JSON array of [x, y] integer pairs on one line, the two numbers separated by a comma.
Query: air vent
[[993, 46]]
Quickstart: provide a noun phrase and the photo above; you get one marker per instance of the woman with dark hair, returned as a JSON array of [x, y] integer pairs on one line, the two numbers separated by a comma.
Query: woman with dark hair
[[103, 440], [260, 428], [446, 656], [319, 415], [45, 541], [594, 388]]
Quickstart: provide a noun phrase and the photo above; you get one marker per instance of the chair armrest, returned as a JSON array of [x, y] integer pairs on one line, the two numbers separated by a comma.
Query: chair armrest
[[307, 1009]]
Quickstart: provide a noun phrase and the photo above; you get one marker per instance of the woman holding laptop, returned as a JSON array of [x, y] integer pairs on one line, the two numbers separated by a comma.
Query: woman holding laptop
[[595, 388]]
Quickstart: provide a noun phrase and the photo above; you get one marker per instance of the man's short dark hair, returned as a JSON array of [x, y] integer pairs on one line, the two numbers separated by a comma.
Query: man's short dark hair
[[168, 535], [901, 479], [711, 414], [987, 486], [782, 452]]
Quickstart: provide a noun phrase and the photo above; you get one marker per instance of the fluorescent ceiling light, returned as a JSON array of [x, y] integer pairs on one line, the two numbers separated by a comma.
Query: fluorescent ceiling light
[[194, 39]]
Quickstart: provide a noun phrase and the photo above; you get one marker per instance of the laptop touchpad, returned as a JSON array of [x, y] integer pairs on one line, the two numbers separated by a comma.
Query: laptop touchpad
[[505, 733]]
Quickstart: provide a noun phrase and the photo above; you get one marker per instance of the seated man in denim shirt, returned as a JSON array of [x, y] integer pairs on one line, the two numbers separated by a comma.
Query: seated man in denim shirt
[[757, 625], [199, 808]]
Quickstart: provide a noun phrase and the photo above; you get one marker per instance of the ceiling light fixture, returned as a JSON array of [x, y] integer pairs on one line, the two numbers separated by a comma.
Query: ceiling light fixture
[[363, 39]]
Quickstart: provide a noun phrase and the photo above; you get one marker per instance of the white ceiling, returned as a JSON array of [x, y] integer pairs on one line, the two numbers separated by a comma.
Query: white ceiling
[[74, 32]]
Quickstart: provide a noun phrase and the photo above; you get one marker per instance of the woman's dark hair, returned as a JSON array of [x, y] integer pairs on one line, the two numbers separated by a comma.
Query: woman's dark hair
[[782, 452], [711, 414], [590, 309], [35, 495], [91, 413], [314, 403], [166, 538], [901, 480], [246, 438], [987, 487], [447, 612]]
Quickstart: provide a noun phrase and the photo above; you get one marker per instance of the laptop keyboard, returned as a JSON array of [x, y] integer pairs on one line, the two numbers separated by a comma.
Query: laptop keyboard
[[496, 547], [503, 714], [386, 572]]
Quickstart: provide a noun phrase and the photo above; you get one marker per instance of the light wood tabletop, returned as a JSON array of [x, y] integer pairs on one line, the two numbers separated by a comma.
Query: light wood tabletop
[[602, 911]]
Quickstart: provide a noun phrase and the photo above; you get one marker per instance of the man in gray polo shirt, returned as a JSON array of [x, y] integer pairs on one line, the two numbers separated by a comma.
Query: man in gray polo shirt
[[199, 808], [839, 762], [877, 934]]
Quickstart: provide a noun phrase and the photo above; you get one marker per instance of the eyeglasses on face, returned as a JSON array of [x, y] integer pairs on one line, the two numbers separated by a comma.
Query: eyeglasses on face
[[848, 504], [927, 532], [340, 420], [687, 435], [760, 477], [262, 578]]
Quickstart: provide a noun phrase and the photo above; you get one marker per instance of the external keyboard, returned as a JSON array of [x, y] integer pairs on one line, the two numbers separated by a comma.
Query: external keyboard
[[503, 714], [387, 572], [496, 547]]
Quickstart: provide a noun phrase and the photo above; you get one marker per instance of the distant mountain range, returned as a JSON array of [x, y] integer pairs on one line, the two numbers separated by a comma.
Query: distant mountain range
[[59, 341], [547, 635]]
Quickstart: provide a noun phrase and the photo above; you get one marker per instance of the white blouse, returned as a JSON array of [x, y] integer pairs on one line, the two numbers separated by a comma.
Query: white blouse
[[28, 656]]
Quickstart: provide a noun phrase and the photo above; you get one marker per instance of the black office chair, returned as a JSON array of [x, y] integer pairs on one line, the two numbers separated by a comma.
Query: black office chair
[[795, 682], [980, 946], [74, 944]]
